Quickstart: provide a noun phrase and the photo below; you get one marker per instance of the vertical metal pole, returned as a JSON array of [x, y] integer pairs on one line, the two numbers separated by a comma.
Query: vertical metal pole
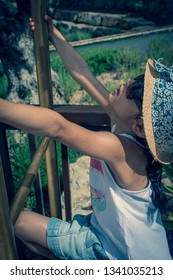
[[38, 9], [6, 165], [66, 182], [8, 249]]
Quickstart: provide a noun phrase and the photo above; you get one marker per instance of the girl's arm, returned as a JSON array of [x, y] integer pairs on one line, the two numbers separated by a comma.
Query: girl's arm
[[77, 66], [48, 123], [103, 145]]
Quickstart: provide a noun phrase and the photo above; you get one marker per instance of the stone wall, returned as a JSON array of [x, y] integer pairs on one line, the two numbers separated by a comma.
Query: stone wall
[[158, 10], [98, 24]]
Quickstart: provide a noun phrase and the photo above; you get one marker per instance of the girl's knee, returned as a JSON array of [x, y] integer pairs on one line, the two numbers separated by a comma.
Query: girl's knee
[[21, 223], [31, 227]]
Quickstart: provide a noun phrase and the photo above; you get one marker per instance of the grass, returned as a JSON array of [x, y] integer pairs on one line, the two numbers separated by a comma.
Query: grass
[[79, 35], [100, 61], [129, 62], [161, 50]]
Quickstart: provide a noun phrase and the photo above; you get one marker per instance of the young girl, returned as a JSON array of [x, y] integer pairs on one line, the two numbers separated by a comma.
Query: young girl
[[125, 223]]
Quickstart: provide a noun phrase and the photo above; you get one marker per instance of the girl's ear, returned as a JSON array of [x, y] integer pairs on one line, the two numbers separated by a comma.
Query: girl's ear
[[138, 127]]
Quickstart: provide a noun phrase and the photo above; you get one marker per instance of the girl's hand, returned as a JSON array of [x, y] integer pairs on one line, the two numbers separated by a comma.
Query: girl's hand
[[49, 24], [48, 21]]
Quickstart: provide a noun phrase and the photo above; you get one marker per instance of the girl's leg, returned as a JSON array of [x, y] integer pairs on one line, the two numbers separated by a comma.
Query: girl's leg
[[31, 229]]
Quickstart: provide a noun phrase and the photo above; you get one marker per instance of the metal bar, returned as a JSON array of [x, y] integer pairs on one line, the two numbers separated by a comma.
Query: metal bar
[[8, 249], [54, 190], [66, 182], [87, 115], [6, 166], [41, 41], [23, 191], [37, 182]]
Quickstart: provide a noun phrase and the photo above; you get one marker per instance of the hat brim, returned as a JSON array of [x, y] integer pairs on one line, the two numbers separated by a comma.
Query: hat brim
[[151, 76]]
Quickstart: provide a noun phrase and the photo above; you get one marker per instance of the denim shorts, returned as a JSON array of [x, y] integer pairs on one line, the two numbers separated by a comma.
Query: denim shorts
[[75, 240]]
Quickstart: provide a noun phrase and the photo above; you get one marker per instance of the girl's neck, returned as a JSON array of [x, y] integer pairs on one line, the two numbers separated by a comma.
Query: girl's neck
[[117, 129]]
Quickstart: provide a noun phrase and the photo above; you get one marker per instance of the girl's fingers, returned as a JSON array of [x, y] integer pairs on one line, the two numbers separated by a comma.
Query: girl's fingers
[[48, 19], [32, 24]]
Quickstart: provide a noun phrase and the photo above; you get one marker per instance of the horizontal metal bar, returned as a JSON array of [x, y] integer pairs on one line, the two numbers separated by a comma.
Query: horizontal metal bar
[[86, 115]]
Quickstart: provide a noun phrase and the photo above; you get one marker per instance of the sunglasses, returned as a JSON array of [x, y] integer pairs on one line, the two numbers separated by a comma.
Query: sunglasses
[[135, 91]]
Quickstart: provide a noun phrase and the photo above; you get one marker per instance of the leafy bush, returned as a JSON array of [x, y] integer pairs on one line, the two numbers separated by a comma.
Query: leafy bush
[[3, 83], [100, 60]]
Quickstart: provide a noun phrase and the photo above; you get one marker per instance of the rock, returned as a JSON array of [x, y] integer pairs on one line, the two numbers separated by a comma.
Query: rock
[[77, 97], [89, 18], [128, 23], [98, 24], [109, 78], [112, 20], [94, 31], [80, 190]]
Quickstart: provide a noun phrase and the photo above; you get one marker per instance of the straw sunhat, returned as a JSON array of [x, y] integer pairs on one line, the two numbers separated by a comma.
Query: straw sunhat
[[158, 110]]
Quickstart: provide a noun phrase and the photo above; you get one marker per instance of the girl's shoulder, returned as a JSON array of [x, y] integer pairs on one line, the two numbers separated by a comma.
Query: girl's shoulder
[[129, 165]]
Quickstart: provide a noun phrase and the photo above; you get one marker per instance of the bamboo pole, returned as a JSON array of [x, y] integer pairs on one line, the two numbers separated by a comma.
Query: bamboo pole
[[38, 10], [8, 249], [23, 191], [37, 182]]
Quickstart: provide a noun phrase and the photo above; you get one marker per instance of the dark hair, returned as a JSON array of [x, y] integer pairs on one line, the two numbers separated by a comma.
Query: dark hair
[[154, 168], [154, 171], [135, 91], [137, 87]]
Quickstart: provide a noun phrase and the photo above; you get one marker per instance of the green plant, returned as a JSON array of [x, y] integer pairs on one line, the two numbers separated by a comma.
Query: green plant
[[161, 49], [79, 35], [100, 60], [3, 83], [17, 142], [169, 171], [68, 83]]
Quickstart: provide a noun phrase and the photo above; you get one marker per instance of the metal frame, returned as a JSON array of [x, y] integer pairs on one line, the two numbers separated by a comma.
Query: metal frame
[[41, 42]]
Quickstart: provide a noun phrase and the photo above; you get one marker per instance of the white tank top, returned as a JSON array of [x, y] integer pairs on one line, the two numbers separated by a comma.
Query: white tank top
[[127, 223]]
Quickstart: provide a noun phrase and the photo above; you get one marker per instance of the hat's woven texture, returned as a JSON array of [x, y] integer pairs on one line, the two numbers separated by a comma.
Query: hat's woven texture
[[158, 110]]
